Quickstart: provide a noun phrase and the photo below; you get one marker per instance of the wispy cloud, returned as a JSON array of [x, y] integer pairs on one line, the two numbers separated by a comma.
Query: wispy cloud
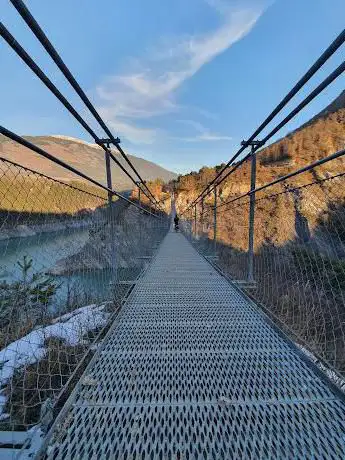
[[150, 88], [213, 137], [203, 134], [134, 133], [205, 137]]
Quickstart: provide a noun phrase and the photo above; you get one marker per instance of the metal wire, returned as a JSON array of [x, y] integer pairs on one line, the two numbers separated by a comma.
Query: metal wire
[[41, 36], [67, 259], [317, 163], [6, 132], [299, 258], [335, 45], [8, 37]]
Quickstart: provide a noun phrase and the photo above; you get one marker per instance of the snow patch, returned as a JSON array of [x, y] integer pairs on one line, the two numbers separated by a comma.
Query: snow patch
[[70, 327], [332, 374], [74, 139]]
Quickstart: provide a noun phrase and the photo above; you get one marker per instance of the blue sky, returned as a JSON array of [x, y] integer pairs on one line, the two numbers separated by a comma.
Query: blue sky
[[180, 82]]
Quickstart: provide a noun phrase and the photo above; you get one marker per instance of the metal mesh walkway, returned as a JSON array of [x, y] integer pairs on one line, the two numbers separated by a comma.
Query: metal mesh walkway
[[191, 370]]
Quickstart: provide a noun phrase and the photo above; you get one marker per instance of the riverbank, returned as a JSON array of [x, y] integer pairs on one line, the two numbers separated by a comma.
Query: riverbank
[[121, 242], [27, 230]]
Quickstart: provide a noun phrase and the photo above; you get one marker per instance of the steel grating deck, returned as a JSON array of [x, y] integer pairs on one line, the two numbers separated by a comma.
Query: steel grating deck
[[191, 370]]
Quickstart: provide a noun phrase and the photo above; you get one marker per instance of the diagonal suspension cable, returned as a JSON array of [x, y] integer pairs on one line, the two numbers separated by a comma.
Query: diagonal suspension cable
[[20, 140], [43, 39], [333, 76], [326, 55], [13, 43]]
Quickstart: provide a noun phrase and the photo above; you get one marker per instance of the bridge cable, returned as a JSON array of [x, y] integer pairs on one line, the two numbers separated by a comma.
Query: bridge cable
[[13, 43], [326, 55], [41, 36], [334, 75], [280, 179], [20, 140]]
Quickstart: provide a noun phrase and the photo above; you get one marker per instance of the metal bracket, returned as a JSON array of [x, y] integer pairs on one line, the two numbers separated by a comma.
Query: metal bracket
[[107, 142], [256, 143]]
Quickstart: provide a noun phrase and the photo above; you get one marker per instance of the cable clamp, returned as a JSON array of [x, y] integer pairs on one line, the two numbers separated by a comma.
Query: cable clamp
[[108, 142], [256, 143]]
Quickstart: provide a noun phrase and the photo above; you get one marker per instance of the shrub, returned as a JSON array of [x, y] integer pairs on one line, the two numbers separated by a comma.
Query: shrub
[[24, 303]]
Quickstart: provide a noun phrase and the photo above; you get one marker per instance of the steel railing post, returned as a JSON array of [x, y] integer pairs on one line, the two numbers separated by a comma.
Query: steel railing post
[[108, 173], [215, 220], [250, 273], [139, 202], [195, 210], [202, 216], [111, 216], [191, 224]]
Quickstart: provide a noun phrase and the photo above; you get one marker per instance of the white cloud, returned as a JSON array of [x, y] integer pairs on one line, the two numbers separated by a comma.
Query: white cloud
[[150, 89], [134, 133], [206, 137], [214, 137], [203, 133]]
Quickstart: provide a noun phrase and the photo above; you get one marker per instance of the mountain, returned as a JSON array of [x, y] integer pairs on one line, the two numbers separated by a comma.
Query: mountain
[[299, 231], [334, 106], [321, 136], [88, 158]]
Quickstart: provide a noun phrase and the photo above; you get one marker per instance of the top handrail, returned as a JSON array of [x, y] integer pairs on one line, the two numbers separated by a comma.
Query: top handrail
[[20, 140], [48, 46], [325, 56], [302, 170]]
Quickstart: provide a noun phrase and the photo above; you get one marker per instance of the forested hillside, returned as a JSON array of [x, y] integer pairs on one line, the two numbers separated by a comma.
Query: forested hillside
[[299, 231], [322, 136]]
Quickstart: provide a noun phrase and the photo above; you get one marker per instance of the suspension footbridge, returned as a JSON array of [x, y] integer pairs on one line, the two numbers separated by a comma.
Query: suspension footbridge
[[191, 369], [123, 339]]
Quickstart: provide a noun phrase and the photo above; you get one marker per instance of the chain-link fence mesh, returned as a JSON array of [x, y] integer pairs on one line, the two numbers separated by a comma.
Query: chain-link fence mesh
[[67, 260], [299, 254]]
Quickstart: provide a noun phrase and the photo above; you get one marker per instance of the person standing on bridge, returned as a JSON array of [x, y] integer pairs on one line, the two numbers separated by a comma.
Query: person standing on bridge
[[176, 221]]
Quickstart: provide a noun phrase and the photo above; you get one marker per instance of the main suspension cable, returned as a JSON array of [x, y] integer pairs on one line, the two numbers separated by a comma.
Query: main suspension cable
[[43, 39], [20, 140], [326, 55], [13, 43]]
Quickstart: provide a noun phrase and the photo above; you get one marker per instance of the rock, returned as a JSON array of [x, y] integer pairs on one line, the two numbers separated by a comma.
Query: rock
[[24, 231], [128, 238]]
